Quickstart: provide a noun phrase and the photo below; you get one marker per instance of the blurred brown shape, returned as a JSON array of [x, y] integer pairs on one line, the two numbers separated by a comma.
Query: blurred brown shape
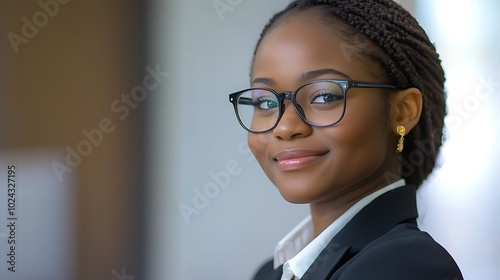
[[62, 81]]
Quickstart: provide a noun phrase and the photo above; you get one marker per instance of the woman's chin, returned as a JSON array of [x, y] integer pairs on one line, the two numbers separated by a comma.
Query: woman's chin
[[296, 196]]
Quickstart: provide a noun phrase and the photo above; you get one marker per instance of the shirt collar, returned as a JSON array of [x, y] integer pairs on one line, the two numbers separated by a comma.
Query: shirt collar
[[298, 249]]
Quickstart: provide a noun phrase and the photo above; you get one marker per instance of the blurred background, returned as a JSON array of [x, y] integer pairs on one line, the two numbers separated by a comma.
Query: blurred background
[[130, 162]]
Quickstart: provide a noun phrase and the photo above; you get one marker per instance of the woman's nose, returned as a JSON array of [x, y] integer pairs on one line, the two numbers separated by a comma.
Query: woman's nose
[[291, 125]]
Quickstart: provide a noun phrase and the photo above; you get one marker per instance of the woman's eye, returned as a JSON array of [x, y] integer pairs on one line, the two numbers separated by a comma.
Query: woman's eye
[[266, 104], [325, 98]]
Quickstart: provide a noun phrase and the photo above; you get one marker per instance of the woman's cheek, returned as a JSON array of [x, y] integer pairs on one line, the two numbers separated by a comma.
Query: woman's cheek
[[257, 144]]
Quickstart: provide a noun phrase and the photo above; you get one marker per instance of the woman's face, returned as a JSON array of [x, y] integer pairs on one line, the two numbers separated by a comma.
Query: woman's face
[[314, 164]]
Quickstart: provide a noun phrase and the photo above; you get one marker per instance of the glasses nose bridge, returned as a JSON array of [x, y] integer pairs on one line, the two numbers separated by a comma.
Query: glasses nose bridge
[[291, 95], [288, 95]]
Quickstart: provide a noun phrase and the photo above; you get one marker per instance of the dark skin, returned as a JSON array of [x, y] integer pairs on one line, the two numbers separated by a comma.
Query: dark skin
[[331, 168]]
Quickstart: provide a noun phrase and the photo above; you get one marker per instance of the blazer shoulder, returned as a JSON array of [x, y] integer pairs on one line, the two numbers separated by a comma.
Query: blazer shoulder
[[405, 252], [267, 272]]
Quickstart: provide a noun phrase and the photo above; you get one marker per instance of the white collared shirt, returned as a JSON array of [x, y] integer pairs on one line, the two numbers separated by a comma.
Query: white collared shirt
[[298, 249]]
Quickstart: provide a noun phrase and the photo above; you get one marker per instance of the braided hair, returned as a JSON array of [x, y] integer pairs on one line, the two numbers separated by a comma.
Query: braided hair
[[408, 58]]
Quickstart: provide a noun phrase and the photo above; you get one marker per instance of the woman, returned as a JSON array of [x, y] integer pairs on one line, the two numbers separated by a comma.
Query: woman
[[345, 112]]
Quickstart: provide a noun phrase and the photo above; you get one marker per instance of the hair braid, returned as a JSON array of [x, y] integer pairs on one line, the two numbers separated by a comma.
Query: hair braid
[[408, 58]]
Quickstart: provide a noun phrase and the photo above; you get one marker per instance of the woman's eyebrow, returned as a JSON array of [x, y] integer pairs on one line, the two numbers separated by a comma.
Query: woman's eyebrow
[[266, 81], [311, 75], [305, 77]]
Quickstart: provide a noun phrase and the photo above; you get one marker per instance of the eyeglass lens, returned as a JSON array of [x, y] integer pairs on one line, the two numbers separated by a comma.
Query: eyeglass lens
[[319, 103]]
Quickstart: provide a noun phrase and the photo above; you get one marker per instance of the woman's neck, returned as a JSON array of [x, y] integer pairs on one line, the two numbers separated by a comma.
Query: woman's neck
[[325, 212]]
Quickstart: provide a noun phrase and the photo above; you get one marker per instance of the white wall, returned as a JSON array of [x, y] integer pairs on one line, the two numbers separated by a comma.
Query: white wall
[[459, 207], [194, 133]]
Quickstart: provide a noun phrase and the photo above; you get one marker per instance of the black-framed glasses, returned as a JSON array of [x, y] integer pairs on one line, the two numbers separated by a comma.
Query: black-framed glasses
[[318, 103]]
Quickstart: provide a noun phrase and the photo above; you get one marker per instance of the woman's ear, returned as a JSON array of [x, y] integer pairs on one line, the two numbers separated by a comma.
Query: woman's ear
[[405, 108]]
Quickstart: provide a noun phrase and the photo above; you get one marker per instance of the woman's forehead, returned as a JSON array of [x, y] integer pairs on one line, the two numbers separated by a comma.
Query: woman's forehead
[[303, 44]]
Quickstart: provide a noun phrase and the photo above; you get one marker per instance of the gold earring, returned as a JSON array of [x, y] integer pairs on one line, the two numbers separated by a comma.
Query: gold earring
[[401, 131]]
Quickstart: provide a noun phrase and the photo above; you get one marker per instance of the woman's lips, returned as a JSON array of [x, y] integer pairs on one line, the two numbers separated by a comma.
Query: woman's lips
[[297, 159]]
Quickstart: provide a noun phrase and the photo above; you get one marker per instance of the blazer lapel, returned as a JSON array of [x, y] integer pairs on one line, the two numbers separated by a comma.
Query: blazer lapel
[[328, 260], [374, 220]]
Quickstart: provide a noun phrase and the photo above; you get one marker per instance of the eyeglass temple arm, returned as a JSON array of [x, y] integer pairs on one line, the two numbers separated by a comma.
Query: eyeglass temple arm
[[372, 85]]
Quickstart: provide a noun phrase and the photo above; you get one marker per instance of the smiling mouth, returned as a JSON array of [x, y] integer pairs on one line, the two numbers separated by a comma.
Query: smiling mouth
[[297, 159]]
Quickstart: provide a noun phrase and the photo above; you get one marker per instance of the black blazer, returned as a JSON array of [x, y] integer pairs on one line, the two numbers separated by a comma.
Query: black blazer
[[381, 242]]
